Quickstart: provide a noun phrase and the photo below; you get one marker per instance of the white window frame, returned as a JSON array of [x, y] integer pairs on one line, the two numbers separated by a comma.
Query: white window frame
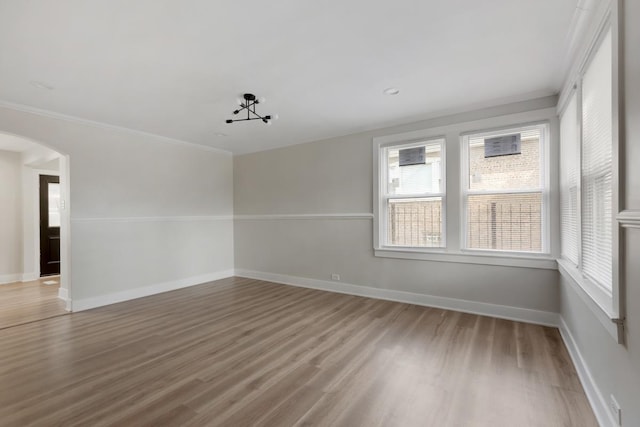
[[384, 197], [607, 307], [452, 129], [575, 92], [545, 179]]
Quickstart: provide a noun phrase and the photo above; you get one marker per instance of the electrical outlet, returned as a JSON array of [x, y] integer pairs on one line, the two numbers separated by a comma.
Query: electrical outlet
[[616, 410], [335, 277]]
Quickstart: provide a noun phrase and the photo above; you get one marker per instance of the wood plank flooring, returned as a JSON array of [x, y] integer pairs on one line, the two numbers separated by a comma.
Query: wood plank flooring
[[241, 352], [25, 302]]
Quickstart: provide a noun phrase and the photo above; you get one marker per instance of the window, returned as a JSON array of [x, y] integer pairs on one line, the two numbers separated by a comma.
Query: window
[[419, 214], [569, 180], [505, 190], [597, 154], [589, 183], [587, 174], [412, 194]]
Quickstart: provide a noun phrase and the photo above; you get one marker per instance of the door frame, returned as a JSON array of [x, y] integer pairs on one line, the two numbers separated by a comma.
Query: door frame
[[64, 292], [38, 211]]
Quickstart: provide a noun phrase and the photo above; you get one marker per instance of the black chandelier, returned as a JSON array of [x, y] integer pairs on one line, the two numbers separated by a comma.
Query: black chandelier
[[248, 102]]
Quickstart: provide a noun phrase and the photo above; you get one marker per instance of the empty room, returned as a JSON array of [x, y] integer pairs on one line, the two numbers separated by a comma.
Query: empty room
[[290, 213]]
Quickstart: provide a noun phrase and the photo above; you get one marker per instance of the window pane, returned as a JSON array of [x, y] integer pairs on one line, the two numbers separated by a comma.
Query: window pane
[[569, 166], [508, 222], [54, 205], [414, 172], [597, 164], [505, 172], [415, 222]]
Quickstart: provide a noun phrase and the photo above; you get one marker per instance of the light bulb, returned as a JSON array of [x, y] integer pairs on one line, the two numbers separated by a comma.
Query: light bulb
[[240, 101], [268, 122], [274, 117], [262, 100]]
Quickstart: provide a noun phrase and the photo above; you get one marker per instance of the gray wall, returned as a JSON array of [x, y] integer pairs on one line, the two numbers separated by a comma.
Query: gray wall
[[336, 177], [143, 211], [10, 216], [616, 368]]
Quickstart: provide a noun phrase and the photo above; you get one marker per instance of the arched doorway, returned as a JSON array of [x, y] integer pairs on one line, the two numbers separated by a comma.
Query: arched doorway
[[34, 223]]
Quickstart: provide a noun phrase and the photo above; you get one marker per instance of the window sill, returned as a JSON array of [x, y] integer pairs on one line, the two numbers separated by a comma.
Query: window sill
[[595, 299], [507, 260]]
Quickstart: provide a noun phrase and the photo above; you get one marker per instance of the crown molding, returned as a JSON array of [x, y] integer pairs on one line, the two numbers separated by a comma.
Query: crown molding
[[78, 120]]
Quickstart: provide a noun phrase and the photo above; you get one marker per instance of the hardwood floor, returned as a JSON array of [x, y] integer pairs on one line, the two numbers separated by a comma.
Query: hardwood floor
[[25, 302], [241, 352]]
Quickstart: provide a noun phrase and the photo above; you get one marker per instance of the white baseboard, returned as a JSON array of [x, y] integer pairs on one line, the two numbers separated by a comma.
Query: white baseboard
[[596, 399], [129, 294], [30, 277], [9, 278], [18, 277], [63, 294], [494, 310]]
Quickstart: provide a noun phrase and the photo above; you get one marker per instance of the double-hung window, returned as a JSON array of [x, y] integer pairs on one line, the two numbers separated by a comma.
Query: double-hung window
[[505, 190], [412, 194], [597, 175], [587, 178]]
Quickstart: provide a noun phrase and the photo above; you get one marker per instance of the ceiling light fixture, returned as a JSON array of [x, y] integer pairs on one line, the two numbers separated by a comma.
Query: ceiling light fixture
[[391, 91], [248, 102]]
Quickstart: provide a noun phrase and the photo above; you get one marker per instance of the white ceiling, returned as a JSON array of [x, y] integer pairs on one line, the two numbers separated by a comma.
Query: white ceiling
[[175, 67]]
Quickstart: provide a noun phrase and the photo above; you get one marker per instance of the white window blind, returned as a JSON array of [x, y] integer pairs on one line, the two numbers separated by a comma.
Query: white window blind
[[569, 179], [597, 143]]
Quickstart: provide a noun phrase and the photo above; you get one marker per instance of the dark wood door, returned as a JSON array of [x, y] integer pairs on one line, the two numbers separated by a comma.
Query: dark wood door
[[49, 225]]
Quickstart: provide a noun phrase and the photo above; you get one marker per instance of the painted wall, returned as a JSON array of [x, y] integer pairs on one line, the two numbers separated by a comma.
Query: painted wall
[[616, 368], [335, 177], [144, 211], [10, 217]]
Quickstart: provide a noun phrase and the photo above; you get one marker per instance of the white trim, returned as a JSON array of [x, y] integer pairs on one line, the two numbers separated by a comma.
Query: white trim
[[588, 294], [63, 294], [18, 277], [30, 277], [156, 219], [629, 218], [10, 278], [583, 13], [483, 258], [494, 310], [329, 216], [129, 294], [594, 395], [73, 119], [595, 18]]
